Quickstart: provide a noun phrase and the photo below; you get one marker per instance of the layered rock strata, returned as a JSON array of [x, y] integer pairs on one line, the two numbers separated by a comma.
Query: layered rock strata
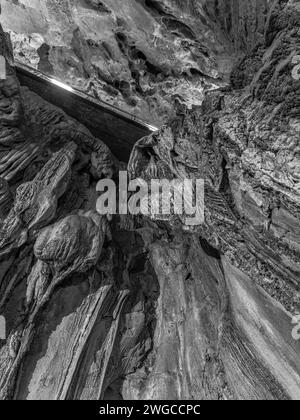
[[139, 307]]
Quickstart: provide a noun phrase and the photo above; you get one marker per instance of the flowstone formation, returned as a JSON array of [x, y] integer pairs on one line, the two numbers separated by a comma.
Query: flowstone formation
[[135, 307], [145, 56]]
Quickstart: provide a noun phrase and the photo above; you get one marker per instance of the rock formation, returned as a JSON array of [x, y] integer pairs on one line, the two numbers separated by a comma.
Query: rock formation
[[138, 307], [144, 56]]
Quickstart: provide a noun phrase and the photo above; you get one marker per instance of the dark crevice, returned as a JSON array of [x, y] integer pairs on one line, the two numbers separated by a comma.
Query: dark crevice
[[225, 190], [155, 6], [225, 184], [98, 5], [170, 21], [178, 28], [137, 61], [209, 250]]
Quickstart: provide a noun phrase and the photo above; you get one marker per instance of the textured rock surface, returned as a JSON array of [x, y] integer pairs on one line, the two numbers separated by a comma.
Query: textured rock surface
[[145, 56], [137, 307]]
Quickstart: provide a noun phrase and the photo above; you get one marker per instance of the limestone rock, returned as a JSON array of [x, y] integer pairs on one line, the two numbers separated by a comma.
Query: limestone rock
[[145, 56], [139, 307], [73, 244], [5, 198]]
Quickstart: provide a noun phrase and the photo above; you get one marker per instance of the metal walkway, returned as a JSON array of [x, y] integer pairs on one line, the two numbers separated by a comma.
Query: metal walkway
[[118, 129]]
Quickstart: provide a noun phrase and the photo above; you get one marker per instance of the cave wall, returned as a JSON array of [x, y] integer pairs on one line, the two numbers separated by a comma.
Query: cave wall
[[145, 56], [140, 307]]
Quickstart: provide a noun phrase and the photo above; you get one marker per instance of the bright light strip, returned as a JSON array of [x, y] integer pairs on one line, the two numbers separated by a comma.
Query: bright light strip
[[214, 87], [68, 88], [151, 127], [2, 68], [62, 85]]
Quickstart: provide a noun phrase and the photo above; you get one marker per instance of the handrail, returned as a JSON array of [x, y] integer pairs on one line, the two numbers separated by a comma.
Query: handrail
[[98, 102], [119, 129]]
